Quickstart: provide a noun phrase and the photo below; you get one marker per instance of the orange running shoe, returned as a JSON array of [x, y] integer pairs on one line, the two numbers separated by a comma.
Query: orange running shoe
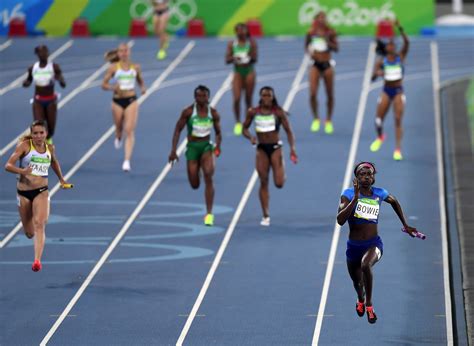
[[360, 308], [371, 316], [36, 267]]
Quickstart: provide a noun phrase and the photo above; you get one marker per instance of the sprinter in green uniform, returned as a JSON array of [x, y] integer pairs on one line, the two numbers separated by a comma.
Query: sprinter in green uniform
[[200, 118], [242, 52]]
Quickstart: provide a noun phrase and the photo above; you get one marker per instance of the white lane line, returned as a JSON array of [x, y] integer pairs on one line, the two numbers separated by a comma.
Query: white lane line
[[442, 191], [122, 232], [347, 178], [235, 218], [84, 85], [16, 82], [5, 45], [106, 135]]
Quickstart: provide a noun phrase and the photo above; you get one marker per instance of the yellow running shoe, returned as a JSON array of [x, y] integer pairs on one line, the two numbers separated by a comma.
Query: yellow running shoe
[[397, 155], [315, 125], [161, 54], [375, 146], [328, 127], [238, 129], [209, 220]]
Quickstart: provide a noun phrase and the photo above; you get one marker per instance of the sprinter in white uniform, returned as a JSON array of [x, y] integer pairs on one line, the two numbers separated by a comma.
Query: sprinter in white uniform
[[43, 74], [36, 156], [124, 103]]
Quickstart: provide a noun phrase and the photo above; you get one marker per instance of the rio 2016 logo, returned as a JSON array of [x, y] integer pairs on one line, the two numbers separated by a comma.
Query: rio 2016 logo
[[181, 11], [349, 14]]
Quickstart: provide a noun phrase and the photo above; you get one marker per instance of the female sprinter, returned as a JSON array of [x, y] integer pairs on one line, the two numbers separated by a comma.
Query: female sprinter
[[321, 39], [391, 68], [124, 101], [360, 207], [199, 119], [268, 117], [242, 52], [161, 14], [35, 156], [43, 73]]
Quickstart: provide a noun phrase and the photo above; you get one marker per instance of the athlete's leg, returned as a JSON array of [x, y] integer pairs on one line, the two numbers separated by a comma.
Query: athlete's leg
[[51, 112], [328, 77], [193, 167], [237, 83], [25, 209], [398, 109], [278, 168], [313, 90], [118, 117], [40, 218], [355, 272], [263, 168], [208, 167], [249, 88], [382, 109], [130, 122], [370, 258]]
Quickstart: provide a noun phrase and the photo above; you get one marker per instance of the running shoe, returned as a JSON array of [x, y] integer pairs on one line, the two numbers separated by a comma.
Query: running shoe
[[265, 221], [371, 316], [36, 267], [360, 308], [397, 155], [117, 143], [126, 166], [49, 141], [375, 146], [209, 220], [238, 129], [161, 54], [315, 125], [328, 127]]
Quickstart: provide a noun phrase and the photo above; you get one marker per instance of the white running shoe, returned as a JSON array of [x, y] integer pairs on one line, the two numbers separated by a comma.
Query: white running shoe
[[126, 166], [117, 143], [265, 221]]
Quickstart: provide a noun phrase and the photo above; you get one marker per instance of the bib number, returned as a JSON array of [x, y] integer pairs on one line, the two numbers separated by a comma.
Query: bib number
[[367, 209]]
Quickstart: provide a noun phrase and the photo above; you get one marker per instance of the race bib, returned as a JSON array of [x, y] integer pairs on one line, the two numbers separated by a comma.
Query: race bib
[[201, 129], [265, 123], [319, 44], [242, 57], [393, 73], [40, 166], [367, 209]]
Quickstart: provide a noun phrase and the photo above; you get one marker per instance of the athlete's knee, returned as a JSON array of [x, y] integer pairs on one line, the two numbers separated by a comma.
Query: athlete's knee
[[366, 267], [398, 121], [39, 223], [264, 181], [279, 183], [194, 184]]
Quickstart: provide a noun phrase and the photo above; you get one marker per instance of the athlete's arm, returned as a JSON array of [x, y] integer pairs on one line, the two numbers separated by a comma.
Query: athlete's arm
[[140, 80], [229, 57], [58, 75], [307, 41], [398, 210], [346, 207], [29, 78], [406, 43], [253, 51], [332, 41], [377, 70], [217, 128], [183, 119], [55, 164], [246, 125], [20, 151], [280, 113], [108, 76]]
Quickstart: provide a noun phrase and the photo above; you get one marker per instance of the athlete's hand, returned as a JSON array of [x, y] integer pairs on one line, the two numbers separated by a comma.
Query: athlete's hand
[[294, 157], [410, 230], [173, 158], [143, 90], [116, 88], [27, 171], [65, 185], [62, 84], [217, 151], [253, 140], [355, 183]]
